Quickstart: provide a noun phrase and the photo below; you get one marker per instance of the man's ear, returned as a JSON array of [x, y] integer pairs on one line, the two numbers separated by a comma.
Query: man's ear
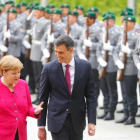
[[71, 50]]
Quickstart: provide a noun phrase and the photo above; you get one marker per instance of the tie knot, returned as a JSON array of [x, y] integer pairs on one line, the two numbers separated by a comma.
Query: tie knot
[[67, 66]]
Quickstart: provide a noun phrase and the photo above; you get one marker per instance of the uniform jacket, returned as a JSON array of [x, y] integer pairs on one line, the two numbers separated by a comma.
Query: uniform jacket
[[130, 68], [15, 107]]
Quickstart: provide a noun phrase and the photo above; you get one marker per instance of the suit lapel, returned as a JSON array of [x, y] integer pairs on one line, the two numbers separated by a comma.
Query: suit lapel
[[59, 71], [77, 74]]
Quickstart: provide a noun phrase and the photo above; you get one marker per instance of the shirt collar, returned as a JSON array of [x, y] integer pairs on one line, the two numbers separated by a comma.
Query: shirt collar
[[109, 30], [73, 26], [72, 63], [12, 22], [55, 23], [40, 19], [65, 18], [129, 33]]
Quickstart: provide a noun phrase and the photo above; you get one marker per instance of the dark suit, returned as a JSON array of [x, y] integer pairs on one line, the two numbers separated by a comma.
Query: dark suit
[[53, 86]]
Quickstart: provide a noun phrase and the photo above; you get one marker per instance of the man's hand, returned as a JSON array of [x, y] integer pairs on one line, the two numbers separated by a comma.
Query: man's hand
[[42, 134], [91, 129]]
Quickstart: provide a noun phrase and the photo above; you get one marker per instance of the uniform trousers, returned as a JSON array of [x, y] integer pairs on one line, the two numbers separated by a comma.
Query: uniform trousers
[[67, 131], [130, 83], [16, 136]]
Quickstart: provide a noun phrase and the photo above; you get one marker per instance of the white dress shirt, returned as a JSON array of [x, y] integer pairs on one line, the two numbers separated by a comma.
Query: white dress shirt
[[71, 70]]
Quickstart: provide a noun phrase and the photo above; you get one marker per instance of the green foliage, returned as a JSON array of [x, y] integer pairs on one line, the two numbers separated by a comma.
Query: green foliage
[[27, 1]]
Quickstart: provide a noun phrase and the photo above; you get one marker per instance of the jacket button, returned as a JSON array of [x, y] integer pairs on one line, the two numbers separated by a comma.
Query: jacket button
[[16, 118], [14, 103], [15, 111], [67, 110]]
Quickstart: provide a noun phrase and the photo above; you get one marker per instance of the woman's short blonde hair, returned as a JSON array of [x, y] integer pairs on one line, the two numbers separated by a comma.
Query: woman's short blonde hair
[[9, 62]]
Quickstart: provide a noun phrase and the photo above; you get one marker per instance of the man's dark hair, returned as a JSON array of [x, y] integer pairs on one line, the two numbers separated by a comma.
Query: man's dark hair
[[66, 40]]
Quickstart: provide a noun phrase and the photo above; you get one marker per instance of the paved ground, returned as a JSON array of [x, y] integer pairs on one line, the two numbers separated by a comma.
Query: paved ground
[[105, 130]]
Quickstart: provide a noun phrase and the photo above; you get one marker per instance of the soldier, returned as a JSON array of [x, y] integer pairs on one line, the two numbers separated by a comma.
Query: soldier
[[48, 13], [65, 10], [38, 29], [130, 70], [2, 8], [76, 32], [108, 83], [14, 34], [136, 58], [96, 10], [57, 30], [92, 42], [80, 19]]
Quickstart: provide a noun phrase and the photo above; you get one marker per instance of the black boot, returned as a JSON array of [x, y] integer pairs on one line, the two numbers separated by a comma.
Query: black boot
[[130, 120], [125, 117], [137, 125], [109, 116], [103, 115], [120, 111]]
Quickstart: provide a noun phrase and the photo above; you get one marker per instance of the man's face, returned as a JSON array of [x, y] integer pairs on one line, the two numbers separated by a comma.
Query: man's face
[[110, 23], [22, 9], [47, 15], [38, 14], [63, 55], [130, 25], [89, 21], [72, 19], [12, 16], [56, 17], [7, 6], [65, 11]]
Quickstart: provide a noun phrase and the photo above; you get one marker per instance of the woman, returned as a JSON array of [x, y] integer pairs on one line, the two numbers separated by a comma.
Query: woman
[[15, 101]]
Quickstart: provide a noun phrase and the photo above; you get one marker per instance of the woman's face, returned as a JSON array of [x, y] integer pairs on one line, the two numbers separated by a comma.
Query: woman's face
[[11, 76]]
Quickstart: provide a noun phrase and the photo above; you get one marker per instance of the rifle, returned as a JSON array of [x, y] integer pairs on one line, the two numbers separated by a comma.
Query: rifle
[[68, 26], [6, 40], [103, 72], [51, 45], [27, 55], [121, 75], [87, 36]]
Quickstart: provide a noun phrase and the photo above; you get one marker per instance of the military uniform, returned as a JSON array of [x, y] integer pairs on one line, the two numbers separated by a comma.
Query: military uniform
[[130, 71], [108, 84]]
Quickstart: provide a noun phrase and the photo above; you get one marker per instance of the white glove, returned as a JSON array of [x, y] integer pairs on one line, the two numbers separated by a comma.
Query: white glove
[[3, 48], [26, 44], [87, 42], [107, 46], [46, 53], [138, 66], [51, 38], [119, 64], [81, 56], [43, 60], [28, 32], [31, 15], [7, 34], [125, 49], [102, 62]]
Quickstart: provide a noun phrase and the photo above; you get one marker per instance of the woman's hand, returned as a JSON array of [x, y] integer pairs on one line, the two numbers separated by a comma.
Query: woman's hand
[[38, 108]]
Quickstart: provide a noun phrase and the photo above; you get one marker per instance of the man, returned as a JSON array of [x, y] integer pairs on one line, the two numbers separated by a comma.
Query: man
[[80, 19], [14, 35], [65, 10], [47, 14], [96, 10], [130, 70], [58, 29], [136, 58], [50, 6], [67, 81], [41, 25], [93, 41], [76, 32], [108, 83]]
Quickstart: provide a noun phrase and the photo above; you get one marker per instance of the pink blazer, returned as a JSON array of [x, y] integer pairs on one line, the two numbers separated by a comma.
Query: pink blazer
[[14, 108]]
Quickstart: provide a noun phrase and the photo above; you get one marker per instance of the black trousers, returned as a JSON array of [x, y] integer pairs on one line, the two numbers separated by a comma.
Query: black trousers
[[16, 136], [97, 82], [67, 131], [124, 96], [105, 91], [130, 86], [37, 68]]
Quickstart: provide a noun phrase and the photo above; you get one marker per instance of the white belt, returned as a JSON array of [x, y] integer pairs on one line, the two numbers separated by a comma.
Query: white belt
[[36, 42], [103, 52], [121, 54]]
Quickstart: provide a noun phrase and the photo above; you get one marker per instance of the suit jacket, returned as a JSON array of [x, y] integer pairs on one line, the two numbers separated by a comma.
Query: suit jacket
[[53, 85], [14, 110]]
